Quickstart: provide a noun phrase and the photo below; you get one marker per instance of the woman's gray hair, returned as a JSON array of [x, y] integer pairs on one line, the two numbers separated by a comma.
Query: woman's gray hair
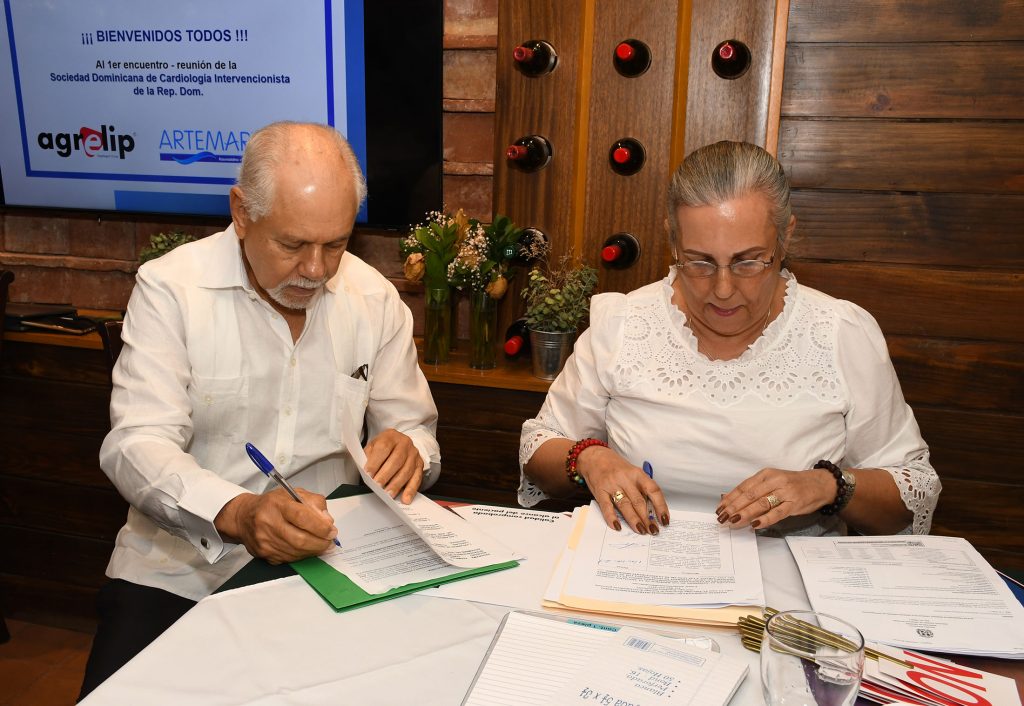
[[262, 153], [716, 173]]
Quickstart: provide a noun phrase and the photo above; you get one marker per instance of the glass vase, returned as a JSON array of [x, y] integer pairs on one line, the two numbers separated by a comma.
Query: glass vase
[[437, 324], [483, 331]]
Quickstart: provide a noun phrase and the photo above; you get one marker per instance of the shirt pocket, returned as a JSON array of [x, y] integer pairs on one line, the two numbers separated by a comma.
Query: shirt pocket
[[220, 408], [348, 406]]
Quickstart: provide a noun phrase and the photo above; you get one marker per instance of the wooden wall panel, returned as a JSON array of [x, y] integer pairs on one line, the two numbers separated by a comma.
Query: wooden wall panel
[[905, 80], [879, 155], [974, 446], [641, 108], [905, 20], [978, 510], [972, 375], [57, 506], [909, 228], [720, 109], [547, 105], [988, 305]]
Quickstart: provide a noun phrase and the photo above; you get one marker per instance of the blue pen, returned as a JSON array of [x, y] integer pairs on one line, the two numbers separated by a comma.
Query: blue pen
[[649, 472], [268, 469]]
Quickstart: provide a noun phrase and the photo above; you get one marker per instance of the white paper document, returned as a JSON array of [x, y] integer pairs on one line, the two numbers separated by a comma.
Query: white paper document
[[453, 539], [538, 659], [694, 561], [536, 536], [917, 591], [380, 551]]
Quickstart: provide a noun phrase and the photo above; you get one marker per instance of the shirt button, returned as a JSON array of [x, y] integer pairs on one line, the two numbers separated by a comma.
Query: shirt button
[[281, 458], [287, 411], [293, 362], [208, 399]]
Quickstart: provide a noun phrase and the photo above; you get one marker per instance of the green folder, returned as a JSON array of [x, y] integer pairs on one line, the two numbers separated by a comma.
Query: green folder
[[342, 594]]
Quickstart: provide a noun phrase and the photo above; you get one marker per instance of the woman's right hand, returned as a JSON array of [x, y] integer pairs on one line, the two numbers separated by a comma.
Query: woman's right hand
[[608, 474]]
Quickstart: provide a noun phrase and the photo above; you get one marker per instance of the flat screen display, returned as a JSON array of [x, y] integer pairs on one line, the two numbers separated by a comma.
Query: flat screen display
[[141, 106]]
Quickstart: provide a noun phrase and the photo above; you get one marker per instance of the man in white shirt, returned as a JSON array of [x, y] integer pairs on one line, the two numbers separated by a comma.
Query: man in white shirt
[[269, 333]]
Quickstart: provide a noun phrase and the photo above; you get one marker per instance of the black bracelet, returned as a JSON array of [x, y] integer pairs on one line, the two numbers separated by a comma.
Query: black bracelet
[[843, 491]]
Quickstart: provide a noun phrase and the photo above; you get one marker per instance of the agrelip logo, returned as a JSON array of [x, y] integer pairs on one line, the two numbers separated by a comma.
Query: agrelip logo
[[104, 142], [188, 146]]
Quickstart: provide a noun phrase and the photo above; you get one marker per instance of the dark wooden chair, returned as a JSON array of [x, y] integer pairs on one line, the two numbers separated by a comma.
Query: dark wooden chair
[[6, 277], [110, 332]]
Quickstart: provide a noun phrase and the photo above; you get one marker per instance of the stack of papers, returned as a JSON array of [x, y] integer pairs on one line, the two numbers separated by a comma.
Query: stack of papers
[[915, 591], [694, 571], [930, 681], [539, 659]]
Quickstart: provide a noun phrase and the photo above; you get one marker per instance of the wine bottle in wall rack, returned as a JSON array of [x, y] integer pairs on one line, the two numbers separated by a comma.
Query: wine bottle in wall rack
[[626, 156], [535, 57], [632, 57], [526, 248], [731, 59], [517, 339], [620, 251], [529, 153]]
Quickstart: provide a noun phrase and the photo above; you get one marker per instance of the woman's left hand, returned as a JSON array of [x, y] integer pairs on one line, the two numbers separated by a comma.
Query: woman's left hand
[[772, 494]]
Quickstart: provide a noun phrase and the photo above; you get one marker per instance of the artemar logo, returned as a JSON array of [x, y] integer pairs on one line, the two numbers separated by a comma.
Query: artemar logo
[[188, 146], [94, 143]]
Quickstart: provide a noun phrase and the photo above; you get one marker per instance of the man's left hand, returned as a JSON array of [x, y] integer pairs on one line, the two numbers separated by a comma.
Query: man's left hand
[[394, 462]]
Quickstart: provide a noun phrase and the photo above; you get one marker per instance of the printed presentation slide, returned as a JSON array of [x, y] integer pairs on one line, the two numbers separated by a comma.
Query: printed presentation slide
[[144, 106]]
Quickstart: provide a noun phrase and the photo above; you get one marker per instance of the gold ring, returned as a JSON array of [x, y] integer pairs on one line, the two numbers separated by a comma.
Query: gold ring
[[617, 498], [773, 501]]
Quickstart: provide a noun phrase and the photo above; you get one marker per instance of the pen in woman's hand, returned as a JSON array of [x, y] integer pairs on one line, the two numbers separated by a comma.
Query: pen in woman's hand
[[649, 472], [264, 464]]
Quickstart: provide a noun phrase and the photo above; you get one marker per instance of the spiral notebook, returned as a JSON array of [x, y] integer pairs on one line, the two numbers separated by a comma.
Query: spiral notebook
[[556, 660]]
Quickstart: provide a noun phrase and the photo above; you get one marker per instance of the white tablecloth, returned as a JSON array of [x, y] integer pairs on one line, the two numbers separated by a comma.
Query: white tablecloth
[[280, 643]]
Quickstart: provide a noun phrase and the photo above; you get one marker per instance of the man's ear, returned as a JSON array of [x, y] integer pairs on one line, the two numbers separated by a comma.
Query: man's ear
[[238, 214]]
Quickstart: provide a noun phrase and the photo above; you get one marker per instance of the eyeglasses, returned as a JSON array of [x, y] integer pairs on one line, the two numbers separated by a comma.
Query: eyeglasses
[[702, 269]]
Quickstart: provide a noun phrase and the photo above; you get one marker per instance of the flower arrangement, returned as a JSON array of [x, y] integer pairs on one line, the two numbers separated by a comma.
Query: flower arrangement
[[431, 247], [161, 243], [487, 254], [558, 297]]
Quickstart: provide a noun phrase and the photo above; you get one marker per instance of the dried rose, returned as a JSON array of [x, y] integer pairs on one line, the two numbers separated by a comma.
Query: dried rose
[[462, 221], [414, 267], [497, 288]]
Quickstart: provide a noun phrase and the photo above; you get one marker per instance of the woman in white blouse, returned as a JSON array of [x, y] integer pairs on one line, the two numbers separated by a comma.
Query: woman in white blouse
[[746, 393]]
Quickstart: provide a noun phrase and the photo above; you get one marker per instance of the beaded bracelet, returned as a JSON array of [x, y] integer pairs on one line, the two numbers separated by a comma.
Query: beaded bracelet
[[844, 491], [573, 457]]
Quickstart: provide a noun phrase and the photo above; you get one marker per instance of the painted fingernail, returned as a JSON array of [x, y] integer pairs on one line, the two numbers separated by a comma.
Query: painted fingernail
[[734, 519], [664, 519], [617, 526], [640, 529], [722, 518], [755, 523], [718, 510], [653, 528]]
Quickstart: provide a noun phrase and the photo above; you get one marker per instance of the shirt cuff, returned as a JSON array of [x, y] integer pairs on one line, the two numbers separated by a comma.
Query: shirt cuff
[[431, 470], [199, 508]]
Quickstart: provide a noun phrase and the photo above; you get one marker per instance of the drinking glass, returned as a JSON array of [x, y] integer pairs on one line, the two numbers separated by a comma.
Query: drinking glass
[[810, 659]]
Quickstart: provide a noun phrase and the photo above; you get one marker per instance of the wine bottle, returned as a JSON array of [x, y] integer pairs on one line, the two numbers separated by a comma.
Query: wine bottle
[[632, 58], [626, 156], [529, 153], [731, 59], [620, 251], [535, 57], [532, 242], [517, 339]]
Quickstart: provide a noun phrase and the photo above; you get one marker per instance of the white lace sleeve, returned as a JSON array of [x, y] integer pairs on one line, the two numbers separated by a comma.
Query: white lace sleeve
[[575, 405], [880, 427]]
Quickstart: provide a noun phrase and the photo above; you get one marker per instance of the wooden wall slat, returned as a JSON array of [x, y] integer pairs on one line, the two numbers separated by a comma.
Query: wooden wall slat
[[56, 363], [720, 109], [35, 455], [877, 155], [918, 229], [640, 108], [71, 559], [49, 602], [904, 80], [977, 446], [465, 406], [976, 375], [30, 405], [58, 507], [905, 21], [927, 302], [988, 514], [487, 461]]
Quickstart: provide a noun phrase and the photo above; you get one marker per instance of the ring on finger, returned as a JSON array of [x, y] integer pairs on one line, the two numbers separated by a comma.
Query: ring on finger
[[618, 496], [772, 500]]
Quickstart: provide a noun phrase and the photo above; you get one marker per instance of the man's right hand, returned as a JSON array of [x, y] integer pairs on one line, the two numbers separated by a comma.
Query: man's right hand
[[275, 527]]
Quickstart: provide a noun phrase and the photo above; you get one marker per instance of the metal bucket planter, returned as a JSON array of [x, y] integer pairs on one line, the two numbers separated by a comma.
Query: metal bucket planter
[[550, 351]]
